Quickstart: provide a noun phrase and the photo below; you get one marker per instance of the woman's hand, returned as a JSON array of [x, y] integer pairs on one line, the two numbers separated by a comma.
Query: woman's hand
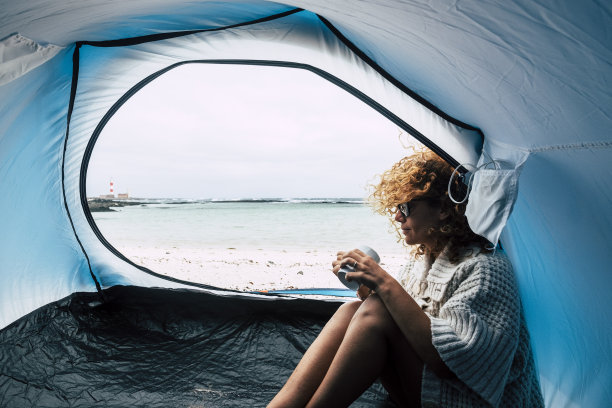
[[366, 270]]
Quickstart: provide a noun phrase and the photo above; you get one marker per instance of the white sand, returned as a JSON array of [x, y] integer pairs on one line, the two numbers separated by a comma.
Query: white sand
[[248, 269]]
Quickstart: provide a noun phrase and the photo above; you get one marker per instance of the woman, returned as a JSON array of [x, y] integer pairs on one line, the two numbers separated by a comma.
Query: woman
[[450, 332]]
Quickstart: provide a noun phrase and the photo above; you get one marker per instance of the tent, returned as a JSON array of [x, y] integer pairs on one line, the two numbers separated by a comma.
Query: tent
[[522, 82]]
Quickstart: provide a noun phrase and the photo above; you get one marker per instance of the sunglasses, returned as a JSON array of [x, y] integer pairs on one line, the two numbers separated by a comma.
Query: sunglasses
[[404, 208]]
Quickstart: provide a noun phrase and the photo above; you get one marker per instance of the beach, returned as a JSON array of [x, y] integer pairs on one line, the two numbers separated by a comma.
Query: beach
[[248, 269], [246, 246]]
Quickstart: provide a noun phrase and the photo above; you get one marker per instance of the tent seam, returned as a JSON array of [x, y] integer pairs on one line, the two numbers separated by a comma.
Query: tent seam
[[414, 95], [561, 146], [573, 146], [73, 88], [165, 36]]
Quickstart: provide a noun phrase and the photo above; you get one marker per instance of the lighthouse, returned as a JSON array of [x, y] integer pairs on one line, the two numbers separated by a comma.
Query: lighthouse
[[120, 196], [111, 192]]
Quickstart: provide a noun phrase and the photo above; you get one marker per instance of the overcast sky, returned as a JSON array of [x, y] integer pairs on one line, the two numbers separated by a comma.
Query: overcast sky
[[203, 131]]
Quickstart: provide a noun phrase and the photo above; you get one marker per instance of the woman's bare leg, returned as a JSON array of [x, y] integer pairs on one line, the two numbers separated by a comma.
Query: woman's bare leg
[[309, 373], [402, 379], [370, 343]]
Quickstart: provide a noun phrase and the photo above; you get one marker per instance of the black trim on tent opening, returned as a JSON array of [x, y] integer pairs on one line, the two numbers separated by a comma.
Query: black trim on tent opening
[[397, 83], [73, 89], [83, 179], [123, 42], [75, 79], [362, 55], [125, 97], [162, 36]]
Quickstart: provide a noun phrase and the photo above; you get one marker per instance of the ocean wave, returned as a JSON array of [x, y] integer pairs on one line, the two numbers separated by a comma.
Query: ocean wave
[[182, 201], [325, 200]]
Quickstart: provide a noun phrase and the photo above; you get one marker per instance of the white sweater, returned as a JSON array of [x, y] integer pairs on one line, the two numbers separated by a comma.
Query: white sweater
[[478, 329]]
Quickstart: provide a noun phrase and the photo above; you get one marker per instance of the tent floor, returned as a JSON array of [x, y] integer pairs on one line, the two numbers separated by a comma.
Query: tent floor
[[147, 347]]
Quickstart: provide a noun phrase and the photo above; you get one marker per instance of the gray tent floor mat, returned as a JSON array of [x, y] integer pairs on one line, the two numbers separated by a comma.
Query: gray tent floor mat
[[145, 347]]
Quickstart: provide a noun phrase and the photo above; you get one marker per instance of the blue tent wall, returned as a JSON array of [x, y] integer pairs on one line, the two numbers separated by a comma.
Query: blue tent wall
[[532, 74], [564, 278], [37, 239]]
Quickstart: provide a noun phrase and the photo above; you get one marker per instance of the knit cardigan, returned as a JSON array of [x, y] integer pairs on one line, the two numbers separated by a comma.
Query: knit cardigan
[[478, 329]]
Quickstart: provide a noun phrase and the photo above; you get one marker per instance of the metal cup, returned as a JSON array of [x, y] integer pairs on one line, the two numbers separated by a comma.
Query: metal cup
[[354, 283]]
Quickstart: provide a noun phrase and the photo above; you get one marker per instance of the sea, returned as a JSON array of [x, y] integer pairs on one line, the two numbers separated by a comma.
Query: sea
[[265, 224]]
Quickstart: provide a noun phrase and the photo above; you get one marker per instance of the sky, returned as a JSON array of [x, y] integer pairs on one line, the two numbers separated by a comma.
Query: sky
[[206, 131]]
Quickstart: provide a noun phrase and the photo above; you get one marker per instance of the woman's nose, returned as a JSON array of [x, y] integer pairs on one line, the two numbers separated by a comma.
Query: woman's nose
[[399, 217]]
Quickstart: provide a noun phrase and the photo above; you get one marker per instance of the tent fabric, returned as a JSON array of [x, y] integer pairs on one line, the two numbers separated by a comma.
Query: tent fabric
[[19, 55], [531, 74], [159, 347]]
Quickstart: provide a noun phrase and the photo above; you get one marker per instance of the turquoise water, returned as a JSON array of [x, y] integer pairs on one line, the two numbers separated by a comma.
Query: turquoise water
[[288, 224]]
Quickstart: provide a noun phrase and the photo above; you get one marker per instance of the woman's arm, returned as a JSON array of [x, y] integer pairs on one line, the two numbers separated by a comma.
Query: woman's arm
[[413, 323], [407, 314]]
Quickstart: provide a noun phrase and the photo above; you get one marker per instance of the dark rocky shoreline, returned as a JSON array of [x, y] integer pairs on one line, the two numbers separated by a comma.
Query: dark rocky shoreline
[[104, 205]]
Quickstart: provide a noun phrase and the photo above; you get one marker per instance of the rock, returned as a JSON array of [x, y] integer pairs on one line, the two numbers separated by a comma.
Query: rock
[[100, 204]]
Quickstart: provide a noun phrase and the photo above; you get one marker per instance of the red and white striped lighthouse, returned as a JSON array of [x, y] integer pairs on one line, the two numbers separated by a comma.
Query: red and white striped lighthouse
[[111, 187]]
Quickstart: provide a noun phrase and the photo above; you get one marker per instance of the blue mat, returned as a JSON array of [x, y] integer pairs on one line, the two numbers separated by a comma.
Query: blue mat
[[316, 291]]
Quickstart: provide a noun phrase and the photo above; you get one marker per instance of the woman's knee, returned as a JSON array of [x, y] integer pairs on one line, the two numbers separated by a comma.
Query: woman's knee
[[349, 307], [374, 314], [345, 312]]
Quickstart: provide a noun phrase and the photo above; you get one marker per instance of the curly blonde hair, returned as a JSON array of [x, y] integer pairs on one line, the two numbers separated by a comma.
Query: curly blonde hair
[[424, 175]]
